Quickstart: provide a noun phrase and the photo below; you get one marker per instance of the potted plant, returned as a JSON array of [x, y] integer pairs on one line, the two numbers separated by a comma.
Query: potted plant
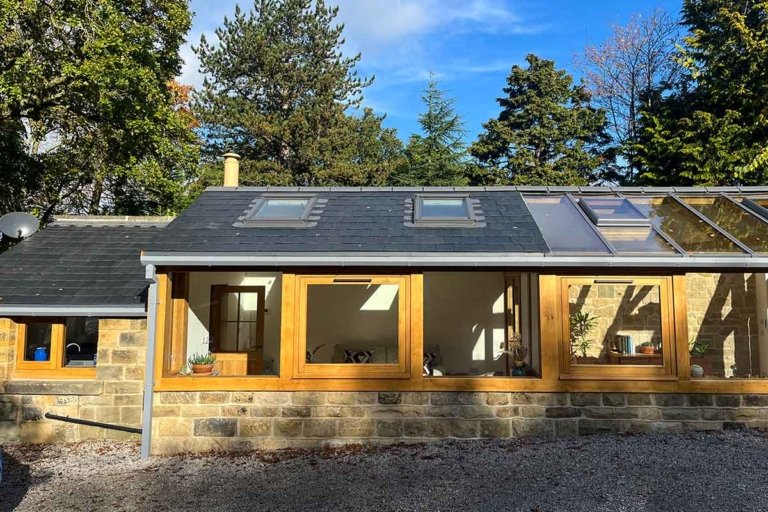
[[514, 349], [700, 364], [202, 363], [647, 347], [581, 326]]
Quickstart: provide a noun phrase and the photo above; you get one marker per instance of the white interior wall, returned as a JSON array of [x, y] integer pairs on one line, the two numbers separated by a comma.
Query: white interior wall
[[200, 309]]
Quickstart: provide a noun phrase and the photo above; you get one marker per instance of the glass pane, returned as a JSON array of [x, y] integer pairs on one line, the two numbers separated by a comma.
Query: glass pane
[[82, 338], [248, 338], [38, 343], [229, 306], [725, 325], [563, 226], [614, 210], [739, 223], [446, 208], [633, 240], [615, 324], [273, 208], [685, 228], [227, 341], [249, 306], [352, 323]]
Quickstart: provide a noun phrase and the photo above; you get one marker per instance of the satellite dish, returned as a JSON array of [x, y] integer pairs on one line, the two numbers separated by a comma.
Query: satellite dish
[[18, 225]]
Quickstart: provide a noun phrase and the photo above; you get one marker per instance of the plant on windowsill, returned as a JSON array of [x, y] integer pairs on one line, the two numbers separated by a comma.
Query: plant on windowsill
[[700, 364], [647, 348], [202, 364], [581, 326], [514, 349]]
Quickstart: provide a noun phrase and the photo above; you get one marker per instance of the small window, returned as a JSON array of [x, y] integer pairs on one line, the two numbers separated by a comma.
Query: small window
[[444, 210], [58, 348], [612, 211], [282, 210]]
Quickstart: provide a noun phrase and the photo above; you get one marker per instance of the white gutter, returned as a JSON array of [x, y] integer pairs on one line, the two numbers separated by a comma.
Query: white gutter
[[149, 368], [447, 260], [136, 311]]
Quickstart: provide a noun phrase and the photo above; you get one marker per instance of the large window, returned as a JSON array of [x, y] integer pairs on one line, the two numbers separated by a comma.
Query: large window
[[57, 347], [353, 326], [615, 326]]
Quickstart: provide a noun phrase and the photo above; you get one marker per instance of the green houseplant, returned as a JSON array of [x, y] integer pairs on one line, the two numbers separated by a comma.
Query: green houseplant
[[582, 325], [700, 364], [647, 347], [202, 363]]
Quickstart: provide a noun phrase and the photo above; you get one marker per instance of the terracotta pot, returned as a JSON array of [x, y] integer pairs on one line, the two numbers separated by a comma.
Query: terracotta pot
[[647, 350], [202, 368]]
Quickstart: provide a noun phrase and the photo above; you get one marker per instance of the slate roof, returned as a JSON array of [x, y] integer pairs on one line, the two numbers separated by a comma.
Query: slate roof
[[77, 265], [353, 220]]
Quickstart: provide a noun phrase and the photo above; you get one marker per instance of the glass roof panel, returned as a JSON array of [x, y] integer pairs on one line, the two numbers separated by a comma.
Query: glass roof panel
[[636, 240], [613, 211], [282, 208], [444, 208], [738, 222], [676, 221], [563, 226]]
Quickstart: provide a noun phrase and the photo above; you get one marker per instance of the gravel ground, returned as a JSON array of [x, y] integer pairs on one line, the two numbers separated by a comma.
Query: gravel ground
[[650, 472]]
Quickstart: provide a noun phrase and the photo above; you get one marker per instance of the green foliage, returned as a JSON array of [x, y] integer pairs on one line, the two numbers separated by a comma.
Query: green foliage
[[713, 130], [546, 134], [581, 326], [85, 105], [437, 157], [277, 92], [201, 359], [698, 348]]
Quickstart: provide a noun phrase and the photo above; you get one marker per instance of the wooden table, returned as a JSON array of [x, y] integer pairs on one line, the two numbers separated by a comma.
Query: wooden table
[[615, 357]]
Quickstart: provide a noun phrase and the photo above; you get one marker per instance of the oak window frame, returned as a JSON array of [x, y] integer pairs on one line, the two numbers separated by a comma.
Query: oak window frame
[[215, 321], [54, 367]]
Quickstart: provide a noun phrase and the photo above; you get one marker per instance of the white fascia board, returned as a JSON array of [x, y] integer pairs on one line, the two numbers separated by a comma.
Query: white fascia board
[[446, 260], [137, 311]]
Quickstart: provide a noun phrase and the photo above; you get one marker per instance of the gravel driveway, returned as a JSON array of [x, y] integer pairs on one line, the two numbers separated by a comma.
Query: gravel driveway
[[650, 472]]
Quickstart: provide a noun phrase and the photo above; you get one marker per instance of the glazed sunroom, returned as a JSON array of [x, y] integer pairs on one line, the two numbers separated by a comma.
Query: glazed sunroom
[[482, 289]]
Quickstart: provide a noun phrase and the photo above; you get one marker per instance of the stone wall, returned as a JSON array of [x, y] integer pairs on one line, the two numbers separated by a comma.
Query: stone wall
[[115, 396], [722, 312], [222, 421]]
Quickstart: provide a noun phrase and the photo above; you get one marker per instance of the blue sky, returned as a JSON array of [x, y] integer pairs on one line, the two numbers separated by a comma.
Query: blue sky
[[470, 45]]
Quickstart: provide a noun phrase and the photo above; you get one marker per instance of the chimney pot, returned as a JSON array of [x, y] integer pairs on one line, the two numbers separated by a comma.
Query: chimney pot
[[231, 170]]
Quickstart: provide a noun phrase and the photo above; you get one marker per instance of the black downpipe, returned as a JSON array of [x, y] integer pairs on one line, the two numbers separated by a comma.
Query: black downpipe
[[122, 428]]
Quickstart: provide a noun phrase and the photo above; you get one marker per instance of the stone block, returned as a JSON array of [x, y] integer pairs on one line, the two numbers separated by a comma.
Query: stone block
[[755, 400], [176, 398], [638, 399], [327, 428], [745, 414], [107, 414], [200, 411], [728, 400], [465, 429], [173, 427], [495, 428], [20, 387], [61, 401], [414, 398], [610, 413], [215, 427], [585, 399], [214, 398], [533, 411], [31, 413], [133, 339], [666, 426], [36, 433], [498, 399], [702, 425], [10, 432], [343, 398], [595, 426], [337, 411], [235, 411], [264, 411], [243, 398], [389, 428], [8, 410], [538, 398], [614, 399], [130, 415], [308, 398], [389, 398], [288, 427], [716, 414], [508, 411], [701, 400], [458, 398], [367, 397], [129, 399], [124, 356], [524, 427], [395, 411], [110, 371], [414, 427], [160, 411], [123, 388], [271, 398], [563, 412], [568, 427], [680, 414], [295, 411], [734, 425], [649, 413], [255, 427], [134, 373], [356, 427], [669, 400]]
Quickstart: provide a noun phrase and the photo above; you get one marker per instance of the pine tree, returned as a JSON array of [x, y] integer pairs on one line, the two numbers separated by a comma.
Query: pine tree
[[277, 91], [713, 130], [437, 156], [547, 133]]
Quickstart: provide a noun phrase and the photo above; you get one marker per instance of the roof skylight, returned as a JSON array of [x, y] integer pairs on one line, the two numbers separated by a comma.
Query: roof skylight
[[612, 211], [282, 210], [564, 228], [285, 208], [447, 210]]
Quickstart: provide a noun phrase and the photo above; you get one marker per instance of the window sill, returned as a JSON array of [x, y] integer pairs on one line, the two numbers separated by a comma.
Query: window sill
[[53, 387]]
